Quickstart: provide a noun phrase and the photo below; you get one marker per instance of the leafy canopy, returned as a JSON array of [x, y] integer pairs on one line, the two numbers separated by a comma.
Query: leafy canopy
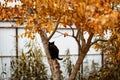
[[89, 15]]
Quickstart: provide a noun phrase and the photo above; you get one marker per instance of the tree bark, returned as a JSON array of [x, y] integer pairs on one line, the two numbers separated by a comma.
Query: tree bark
[[54, 65]]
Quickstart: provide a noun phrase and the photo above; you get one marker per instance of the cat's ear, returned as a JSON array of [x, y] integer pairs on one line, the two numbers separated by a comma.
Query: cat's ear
[[53, 42]]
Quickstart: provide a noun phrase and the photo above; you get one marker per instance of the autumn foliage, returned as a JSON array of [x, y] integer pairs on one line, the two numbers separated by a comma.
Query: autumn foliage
[[92, 16]]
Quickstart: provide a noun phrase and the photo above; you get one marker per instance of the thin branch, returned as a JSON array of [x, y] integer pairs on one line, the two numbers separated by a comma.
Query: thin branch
[[78, 42], [87, 45], [97, 41], [72, 31], [78, 33], [81, 28], [53, 31]]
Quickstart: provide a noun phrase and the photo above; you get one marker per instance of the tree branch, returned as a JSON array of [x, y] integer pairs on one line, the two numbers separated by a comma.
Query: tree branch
[[82, 38], [77, 33], [42, 32], [90, 38], [53, 31], [72, 31], [86, 47], [78, 42], [97, 41]]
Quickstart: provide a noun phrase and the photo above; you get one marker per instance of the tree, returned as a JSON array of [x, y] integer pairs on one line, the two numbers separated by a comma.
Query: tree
[[44, 16], [111, 50]]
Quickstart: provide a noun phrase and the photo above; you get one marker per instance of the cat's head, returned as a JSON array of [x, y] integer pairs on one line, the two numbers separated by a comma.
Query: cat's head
[[51, 43]]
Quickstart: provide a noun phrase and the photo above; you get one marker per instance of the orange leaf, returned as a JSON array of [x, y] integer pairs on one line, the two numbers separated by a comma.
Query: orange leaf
[[65, 34]]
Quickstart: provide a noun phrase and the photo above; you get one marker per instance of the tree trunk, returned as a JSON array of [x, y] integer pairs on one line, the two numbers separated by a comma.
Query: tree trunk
[[83, 51], [77, 66], [79, 62], [54, 65]]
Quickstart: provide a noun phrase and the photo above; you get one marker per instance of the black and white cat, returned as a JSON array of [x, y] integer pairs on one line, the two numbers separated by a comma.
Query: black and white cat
[[54, 51]]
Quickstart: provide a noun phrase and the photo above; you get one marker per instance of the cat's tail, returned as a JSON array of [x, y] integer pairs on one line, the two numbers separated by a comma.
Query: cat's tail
[[60, 58]]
